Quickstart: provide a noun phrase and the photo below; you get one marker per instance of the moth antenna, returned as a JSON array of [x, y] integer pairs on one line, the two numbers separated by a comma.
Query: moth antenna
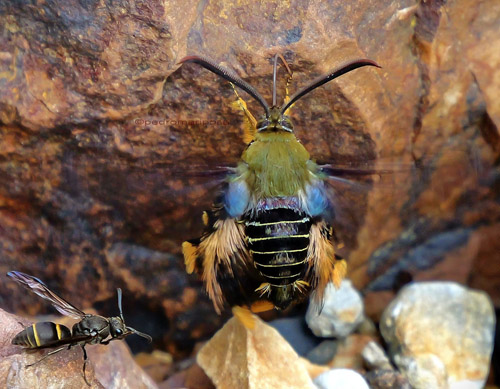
[[119, 291], [342, 69], [228, 75]]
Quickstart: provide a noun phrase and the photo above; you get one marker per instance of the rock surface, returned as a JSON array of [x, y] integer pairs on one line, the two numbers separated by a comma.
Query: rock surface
[[440, 333], [341, 313], [110, 366], [236, 357], [102, 139]]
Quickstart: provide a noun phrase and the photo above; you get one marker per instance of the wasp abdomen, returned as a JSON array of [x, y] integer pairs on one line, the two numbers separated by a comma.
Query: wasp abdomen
[[278, 240], [43, 334]]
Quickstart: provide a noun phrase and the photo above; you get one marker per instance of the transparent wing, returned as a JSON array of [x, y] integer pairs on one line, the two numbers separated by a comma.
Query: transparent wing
[[38, 287], [348, 187]]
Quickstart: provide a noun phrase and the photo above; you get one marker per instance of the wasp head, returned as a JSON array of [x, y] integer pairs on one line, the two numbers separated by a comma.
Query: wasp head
[[117, 328]]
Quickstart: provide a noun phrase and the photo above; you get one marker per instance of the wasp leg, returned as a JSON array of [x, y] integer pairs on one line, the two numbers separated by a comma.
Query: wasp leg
[[109, 340], [85, 360], [46, 355]]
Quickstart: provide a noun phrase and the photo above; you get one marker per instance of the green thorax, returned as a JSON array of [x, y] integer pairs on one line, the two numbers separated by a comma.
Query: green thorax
[[276, 164]]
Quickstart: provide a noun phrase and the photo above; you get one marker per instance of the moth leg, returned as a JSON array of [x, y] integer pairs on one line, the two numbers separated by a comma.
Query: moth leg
[[262, 306], [245, 316], [250, 121], [47, 355]]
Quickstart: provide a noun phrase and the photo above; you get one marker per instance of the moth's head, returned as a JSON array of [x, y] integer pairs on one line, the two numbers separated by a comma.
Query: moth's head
[[275, 122]]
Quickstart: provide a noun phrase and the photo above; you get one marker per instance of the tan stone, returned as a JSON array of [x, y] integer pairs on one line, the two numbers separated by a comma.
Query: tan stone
[[236, 357]]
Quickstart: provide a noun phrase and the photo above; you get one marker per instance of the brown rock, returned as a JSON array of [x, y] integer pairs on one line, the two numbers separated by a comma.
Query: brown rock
[[110, 366], [192, 378], [236, 357], [157, 364]]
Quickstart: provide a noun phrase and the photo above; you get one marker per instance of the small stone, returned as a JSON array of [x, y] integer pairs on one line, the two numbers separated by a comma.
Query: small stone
[[340, 314], [324, 352], [375, 358], [387, 379], [349, 351], [237, 357], [296, 332], [440, 333], [341, 379]]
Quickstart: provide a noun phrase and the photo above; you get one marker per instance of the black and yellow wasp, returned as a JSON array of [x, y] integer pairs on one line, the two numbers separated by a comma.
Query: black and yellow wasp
[[91, 329], [268, 237]]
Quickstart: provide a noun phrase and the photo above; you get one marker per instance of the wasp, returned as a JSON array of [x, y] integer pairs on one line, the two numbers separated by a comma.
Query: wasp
[[268, 238], [91, 329]]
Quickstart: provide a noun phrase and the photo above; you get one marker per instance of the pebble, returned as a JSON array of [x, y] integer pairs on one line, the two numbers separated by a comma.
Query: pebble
[[440, 334], [342, 312]]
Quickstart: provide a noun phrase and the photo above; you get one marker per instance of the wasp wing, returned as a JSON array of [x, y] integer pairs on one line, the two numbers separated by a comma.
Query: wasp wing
[[38, 287]]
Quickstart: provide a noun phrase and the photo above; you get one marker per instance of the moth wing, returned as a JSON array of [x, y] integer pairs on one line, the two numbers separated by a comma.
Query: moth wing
[[38, 287], [347, 187]]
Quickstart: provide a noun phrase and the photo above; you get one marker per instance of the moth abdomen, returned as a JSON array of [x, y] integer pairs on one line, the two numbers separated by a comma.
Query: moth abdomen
[[278, 240], [40, 335]]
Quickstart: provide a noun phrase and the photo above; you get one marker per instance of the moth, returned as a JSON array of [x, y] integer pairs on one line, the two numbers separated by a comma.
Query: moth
[[268, 238]]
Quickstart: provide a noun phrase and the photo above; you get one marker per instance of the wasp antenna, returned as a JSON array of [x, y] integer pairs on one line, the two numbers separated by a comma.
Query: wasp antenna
[[343, 69], [149, 338], [119, 292], [228, 75]]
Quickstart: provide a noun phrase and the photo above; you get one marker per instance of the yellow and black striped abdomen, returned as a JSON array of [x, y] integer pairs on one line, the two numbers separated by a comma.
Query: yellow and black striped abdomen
[[43, 334], [278, 240]]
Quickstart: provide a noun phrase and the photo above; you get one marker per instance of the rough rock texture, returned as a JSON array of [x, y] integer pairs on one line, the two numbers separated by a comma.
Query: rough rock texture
[[110, 366], [102, 139], [440, 333], [340, 314], [236, 357]]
